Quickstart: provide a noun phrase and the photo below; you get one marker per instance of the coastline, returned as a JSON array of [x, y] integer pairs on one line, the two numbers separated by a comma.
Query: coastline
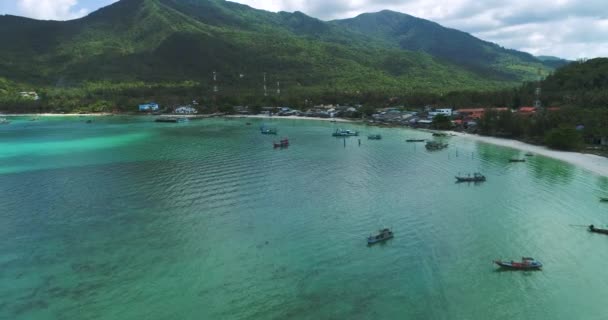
[[58, 114], [590, 162], [288, 118]]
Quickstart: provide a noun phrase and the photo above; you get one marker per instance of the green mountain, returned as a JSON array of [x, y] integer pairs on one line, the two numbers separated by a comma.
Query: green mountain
[[554, 62], [170, 41], [579, 84], [415, 34]]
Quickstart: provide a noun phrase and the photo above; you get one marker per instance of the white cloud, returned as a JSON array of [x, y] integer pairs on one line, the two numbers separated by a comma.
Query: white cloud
[[50, 9], [566, 28]]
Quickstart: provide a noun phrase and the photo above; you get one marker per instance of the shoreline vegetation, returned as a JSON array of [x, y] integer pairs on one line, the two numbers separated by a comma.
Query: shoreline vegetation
[[590, 162]]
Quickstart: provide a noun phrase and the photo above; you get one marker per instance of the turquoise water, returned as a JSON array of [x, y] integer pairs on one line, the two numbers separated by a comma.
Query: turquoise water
[[125, 218]]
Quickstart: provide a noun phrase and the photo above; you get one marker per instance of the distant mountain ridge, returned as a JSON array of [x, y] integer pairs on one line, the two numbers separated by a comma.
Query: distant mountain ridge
[[176, 40]]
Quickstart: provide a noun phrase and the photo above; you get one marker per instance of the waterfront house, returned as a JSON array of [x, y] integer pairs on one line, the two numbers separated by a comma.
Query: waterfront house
[[186, 110], [443, 111], [476, 113], [147, 107], [527, 110], [29, 95]]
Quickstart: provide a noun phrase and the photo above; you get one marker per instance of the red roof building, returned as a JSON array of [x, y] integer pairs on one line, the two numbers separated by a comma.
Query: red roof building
[[477, 113]]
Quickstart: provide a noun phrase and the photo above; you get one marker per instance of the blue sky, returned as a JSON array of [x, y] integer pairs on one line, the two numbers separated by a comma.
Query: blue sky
[[565, 28]]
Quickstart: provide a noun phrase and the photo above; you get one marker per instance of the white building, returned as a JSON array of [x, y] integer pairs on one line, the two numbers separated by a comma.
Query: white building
[[29, 95], [186, 110], [446, 112]]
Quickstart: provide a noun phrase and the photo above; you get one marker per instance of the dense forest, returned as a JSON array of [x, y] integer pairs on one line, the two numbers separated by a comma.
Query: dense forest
[[168, 50]]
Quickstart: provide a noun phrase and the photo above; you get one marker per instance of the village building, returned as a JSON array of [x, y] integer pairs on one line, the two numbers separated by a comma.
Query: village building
[[147, 107]]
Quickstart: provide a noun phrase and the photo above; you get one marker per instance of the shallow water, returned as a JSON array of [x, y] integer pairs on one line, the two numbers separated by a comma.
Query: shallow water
[[125, 218]]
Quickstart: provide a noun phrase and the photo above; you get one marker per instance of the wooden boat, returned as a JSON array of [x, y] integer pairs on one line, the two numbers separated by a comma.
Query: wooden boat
[[374, 137], [415, 140], [525, 264], [284, 143], [517, 160], [383, 235], [593, 229], [345, 133], [434, 145], [171, 119], [529, 154], [477, 177], [265, 130], [439, 134]]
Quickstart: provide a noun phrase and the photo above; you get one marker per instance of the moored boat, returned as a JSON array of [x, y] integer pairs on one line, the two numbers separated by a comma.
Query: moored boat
[[374, 137], [517, 160], [593, 229], [284, 143], [529, 154], [439, 134], [603, 199], [383, 235], [477, 177], [171, 119], [526, 263], [434, 145], [266, 130], [345, 133], [415, 140]]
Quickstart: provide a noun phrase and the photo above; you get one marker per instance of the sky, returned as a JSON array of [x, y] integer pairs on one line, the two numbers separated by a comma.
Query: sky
[[569, 29]]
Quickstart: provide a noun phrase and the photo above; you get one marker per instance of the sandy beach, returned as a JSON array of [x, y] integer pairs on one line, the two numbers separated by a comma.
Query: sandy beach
[[594, 163]]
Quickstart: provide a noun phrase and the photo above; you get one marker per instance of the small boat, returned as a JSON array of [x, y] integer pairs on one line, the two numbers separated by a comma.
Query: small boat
[[603, 199], [477, 177], [333, 120], [517, 160], [593, 229], [171, 119], [529, 154], [434, 145], [284, 143], [439, 134], [526, 263], [265, 130], [248, 123], [89, 121], [345, 133], [415, 140], [374, 137], [4, 121], [383, 235]]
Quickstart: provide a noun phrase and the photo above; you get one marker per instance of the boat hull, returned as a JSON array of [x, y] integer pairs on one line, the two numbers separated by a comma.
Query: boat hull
[[374, 241], [512, 265], [596, 230], [460, 179]]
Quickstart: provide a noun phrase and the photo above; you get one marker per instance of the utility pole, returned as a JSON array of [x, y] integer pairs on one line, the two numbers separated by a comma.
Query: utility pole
[[537, 93], [265, 88]]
